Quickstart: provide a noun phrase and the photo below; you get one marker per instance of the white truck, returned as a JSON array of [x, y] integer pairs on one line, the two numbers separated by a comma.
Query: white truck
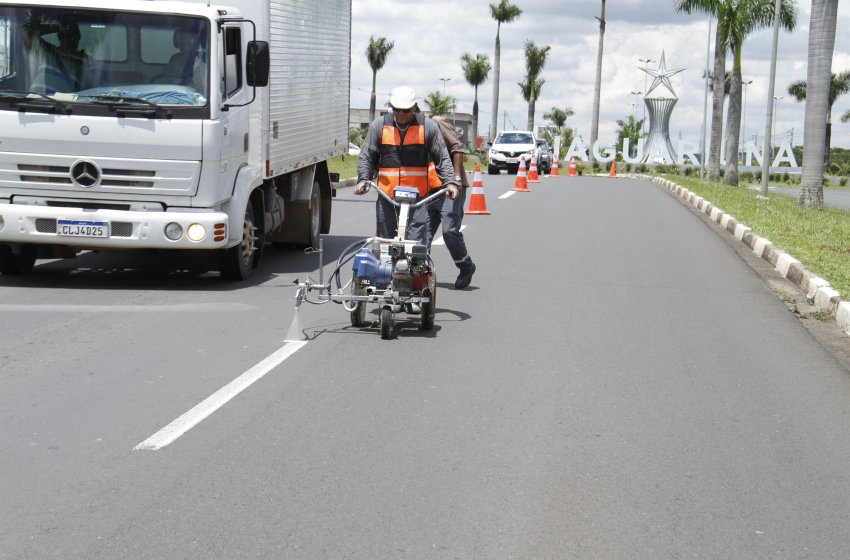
[[160, 125]]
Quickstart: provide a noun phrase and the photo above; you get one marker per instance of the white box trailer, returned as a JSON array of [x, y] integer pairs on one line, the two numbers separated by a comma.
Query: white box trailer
[[163, 125]]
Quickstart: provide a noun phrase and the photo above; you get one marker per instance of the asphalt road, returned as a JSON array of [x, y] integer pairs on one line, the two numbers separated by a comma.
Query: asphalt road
[[616, 383], [837, 198]]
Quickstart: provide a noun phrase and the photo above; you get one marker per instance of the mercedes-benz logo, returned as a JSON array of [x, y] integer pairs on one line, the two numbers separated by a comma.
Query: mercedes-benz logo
[[85, 173]]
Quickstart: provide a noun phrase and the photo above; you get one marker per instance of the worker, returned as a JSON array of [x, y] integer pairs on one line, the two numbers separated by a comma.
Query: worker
[[397, 150], [449, 213]]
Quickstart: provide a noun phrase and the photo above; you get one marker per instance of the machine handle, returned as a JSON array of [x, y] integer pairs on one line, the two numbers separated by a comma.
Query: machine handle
[[426, 200]]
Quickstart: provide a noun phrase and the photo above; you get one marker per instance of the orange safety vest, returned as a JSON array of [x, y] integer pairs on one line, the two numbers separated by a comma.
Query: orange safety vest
[[404, 161]]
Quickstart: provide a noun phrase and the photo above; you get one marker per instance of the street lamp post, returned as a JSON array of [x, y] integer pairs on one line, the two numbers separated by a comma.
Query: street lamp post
[[444, 80], [635, 93], [703, 132], [768, 129], [646, 62], [776, 99], [744, 117]]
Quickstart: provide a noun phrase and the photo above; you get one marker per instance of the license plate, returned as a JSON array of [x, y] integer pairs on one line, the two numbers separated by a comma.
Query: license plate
[[79, 228], [513, 160]]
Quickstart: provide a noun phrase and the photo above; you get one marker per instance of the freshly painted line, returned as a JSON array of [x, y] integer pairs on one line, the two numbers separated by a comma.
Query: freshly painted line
[[507, 194], [441, 241], [218, 399], [179, 308]]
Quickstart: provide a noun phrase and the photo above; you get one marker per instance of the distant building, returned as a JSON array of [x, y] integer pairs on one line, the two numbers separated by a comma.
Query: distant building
[[359, 118]]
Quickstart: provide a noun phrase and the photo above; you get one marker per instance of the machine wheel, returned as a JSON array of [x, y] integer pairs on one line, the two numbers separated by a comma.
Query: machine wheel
[[386, 324], [430, 309], [237, 263], [492, 170], [12, 263], [358, 316]]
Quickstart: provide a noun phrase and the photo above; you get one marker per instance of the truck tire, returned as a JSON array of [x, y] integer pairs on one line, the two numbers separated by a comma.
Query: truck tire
[[238, 263], [302, 223], [19, 263], [314, 216]]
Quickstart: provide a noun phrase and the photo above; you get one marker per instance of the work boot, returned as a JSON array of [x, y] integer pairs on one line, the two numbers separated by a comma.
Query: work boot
[[465, 277]]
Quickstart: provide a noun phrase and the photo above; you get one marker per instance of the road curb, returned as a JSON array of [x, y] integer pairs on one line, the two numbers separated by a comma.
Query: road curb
[[817, 289]]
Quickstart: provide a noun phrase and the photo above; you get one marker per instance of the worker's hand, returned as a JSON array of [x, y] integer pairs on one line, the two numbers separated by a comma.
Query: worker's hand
[[454, 190], [361, 188]]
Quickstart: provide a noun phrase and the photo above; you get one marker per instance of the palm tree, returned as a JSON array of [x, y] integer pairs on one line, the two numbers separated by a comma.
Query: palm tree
[[376, 53], [503, 12], [713, 8], [821, 45], [597, 88], [535, 59], [739, 19], [439, 104], [559, 119], [846, 116], [839, 84], [475, 70], [629, 128]]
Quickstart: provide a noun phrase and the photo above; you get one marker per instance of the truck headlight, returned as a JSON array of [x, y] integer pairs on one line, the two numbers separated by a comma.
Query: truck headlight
[[196, 232], [173, 231]]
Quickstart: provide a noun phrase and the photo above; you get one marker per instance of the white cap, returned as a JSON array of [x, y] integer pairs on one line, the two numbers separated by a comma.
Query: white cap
[[403, 97]]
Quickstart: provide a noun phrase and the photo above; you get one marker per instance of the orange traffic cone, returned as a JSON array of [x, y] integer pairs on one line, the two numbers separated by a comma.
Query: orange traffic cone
[[554, 171], [477, 204], [533, 177], [613, 172], [521, 183], [572, 172]]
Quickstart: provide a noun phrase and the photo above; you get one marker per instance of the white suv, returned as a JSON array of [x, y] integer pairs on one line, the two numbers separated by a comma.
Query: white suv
[[509, 146]]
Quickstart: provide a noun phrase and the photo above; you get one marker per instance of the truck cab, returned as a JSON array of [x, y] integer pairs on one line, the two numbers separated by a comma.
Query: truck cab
[[151, 125]]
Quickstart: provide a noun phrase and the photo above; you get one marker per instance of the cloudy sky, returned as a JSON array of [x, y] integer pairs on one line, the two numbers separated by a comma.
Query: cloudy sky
[[430, 36]]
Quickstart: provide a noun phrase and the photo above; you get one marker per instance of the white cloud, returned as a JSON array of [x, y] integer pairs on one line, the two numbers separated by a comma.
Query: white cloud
[[430, 38]]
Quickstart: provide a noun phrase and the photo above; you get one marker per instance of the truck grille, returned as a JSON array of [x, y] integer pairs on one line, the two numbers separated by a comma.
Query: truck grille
[[110, 178]]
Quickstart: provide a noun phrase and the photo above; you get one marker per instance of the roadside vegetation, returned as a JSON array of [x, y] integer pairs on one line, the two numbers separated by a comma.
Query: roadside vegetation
[[820, 240]]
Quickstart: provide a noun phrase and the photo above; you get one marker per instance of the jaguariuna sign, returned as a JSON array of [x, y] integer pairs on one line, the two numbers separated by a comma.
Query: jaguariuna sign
[[687, 153]]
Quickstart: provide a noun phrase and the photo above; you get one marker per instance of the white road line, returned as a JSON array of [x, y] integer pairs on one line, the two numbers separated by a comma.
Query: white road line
[[441, 241], [507, 194], [193, 417]]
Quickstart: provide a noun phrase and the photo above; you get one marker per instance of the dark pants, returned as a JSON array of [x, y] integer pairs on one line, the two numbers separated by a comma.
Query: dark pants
[[448, 213], [387, 217]]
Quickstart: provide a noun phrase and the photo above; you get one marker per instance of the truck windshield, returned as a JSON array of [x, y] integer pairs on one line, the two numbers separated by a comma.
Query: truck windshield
[[82, 57]]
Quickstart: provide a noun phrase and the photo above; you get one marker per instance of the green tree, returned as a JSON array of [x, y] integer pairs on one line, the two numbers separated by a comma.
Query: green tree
[[739, 19], [824, 17], [846, 116], [503, 12], [475, 70], [629, 128], [439, 104], [535, 59], [376, 53], [559, 117], [839, 84]]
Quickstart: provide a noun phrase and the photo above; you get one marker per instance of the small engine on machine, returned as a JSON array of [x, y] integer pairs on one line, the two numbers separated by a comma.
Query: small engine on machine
[[405, 264]]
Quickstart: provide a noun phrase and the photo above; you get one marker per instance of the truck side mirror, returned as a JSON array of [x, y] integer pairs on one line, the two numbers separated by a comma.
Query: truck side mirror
[[257, 63]]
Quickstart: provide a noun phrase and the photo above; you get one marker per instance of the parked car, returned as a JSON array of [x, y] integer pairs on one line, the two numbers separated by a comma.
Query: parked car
[[353, 149], [544, 157], [509, 146]]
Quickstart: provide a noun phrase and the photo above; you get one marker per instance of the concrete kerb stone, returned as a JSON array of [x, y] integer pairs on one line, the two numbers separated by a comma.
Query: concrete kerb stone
[[825, 297]]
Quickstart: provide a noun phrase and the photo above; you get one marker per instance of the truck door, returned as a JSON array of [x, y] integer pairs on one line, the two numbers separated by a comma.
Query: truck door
[[234, 92]]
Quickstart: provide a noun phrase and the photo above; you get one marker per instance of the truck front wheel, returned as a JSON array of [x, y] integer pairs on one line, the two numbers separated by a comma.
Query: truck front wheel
[[238, 263], [20, 262]]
